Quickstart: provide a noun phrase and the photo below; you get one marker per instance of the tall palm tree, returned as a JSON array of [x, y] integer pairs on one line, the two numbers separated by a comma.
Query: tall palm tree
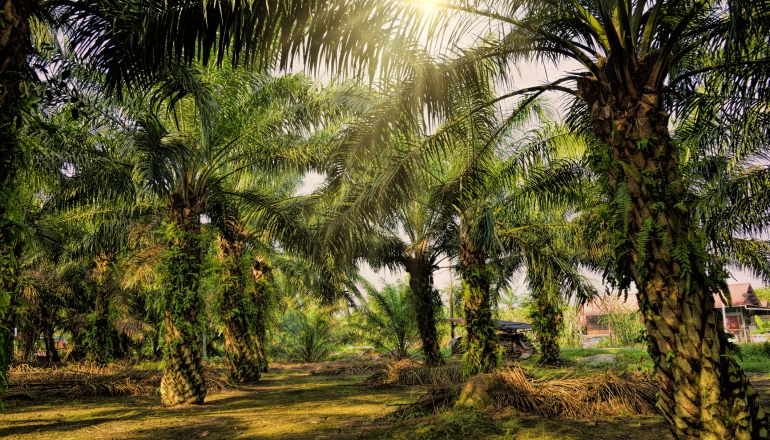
[[189, 169], [642, 61]]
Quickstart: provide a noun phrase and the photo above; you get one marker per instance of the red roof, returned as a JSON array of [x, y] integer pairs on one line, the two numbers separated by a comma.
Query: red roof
[[741, 294]]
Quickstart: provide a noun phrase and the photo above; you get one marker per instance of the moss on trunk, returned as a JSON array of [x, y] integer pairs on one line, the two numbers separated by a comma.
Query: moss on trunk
[[427, 303], [482, 354], [183, 379], [238, 308], [703, 392]]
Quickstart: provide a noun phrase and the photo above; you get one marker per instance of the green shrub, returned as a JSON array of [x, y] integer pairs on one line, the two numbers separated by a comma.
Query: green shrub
[[304, 336], [754, 357]]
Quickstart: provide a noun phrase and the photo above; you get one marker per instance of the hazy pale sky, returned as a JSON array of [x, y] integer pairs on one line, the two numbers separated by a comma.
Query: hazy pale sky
[[528, 75]]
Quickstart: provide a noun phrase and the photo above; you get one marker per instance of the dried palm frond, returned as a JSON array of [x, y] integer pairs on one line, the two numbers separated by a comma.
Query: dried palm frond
[[89, 379], [575, 397], [132, 327], [429, 403], [409, 372], [565, 398]]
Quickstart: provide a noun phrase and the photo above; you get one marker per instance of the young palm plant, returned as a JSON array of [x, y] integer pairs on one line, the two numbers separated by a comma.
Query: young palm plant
[[387, 321]]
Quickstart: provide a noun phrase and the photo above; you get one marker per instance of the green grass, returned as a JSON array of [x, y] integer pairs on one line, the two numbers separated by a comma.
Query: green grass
[[754, 357], [635, 353]]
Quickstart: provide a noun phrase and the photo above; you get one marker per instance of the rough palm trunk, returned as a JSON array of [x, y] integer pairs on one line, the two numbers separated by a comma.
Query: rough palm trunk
[[14, 49], [263, 297], [51, 353], [183, 380], [427, 301], [101, 320], [703, 391], [244, 357], [9, 317], [547, 322], [482, 354]]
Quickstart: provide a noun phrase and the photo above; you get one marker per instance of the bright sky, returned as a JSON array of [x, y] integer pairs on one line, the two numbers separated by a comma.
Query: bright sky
[[528, 75]]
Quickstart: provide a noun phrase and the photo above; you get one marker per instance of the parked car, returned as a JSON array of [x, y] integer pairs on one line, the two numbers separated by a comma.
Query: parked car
[[759, 337], [592, 342]]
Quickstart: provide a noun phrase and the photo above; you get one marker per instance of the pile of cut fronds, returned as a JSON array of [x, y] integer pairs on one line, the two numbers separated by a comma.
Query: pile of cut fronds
[[347, 370], [567, 398], [576, 397], [94, 380], [409, 372], [431, 402]]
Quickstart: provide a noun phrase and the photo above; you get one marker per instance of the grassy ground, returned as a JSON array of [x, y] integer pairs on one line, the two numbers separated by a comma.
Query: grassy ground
[[293, 403]]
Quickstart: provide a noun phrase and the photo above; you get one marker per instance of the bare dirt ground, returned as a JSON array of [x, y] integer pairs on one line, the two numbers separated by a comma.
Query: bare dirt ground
[[296, 402]]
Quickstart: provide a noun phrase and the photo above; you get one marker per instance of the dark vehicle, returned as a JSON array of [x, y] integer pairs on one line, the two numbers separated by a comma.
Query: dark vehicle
[[515, 343]]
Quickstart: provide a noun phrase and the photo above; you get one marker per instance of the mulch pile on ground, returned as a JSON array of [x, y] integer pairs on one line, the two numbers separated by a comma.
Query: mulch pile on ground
[[585, 397], [411, 373], [576, 397], [87, 380]]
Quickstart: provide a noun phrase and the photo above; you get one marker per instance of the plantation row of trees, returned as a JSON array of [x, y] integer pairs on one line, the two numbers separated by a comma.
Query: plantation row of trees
[[140, 138]]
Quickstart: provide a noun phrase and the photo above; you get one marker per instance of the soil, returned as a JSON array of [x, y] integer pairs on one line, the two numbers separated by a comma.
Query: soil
[[296, 402]]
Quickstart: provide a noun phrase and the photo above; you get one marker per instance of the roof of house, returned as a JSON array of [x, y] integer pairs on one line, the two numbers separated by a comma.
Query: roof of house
[[742, 295]]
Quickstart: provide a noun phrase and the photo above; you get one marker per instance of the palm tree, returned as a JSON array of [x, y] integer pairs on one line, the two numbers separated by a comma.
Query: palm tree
[[189, 168], [247, 285], [387, 321], [642, 61]]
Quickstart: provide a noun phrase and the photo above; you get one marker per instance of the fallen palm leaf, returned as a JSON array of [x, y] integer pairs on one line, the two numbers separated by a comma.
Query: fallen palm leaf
[[95, 380], [409, 372]]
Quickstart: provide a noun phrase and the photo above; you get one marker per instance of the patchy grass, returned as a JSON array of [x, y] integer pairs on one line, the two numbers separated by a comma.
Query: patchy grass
[[297, 401]]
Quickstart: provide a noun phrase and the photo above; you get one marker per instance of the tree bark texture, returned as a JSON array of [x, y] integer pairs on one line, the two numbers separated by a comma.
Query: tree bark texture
[[51, 353], [100, 350], [183, 379], [703, 391], [14, 49], [244, 356], [9, 285], [427, 302], [482, 354], [263, 302], [547, 322]]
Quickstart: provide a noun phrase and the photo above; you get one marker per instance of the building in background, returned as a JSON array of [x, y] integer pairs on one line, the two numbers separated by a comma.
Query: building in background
[[737, 313]]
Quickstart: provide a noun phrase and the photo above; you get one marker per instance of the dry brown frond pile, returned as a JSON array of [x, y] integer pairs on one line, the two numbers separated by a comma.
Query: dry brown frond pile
[[347, 370], [576, 397], [94, 380], [566, 398], [429, 403], [409, 372]]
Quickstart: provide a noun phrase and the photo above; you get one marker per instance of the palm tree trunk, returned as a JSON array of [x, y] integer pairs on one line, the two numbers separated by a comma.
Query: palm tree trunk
[[101, 322], [14, 49], [263, 297], [482, 354], [9, 318], [51, 354], [546, 324], [183, 380], [427, 301], [703, 391], [244, 357]]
